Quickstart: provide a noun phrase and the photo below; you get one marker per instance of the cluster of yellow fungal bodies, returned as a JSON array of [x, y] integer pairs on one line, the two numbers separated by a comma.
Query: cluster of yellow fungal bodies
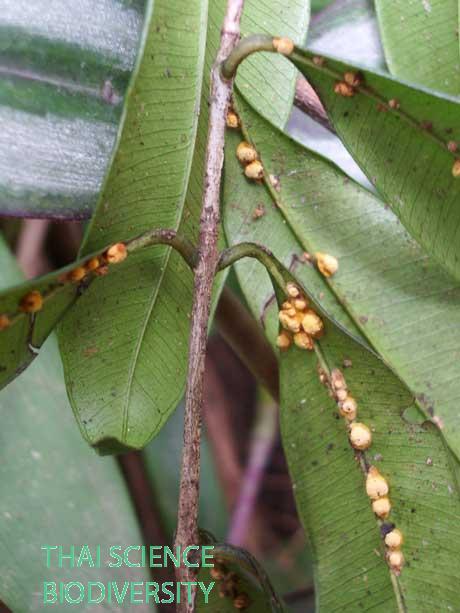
[[32, 302], [247, 155], [302, 325], [347, 88], [228, 586]]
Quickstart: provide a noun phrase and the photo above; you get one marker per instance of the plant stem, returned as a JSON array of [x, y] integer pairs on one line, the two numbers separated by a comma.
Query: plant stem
[[221, 90]]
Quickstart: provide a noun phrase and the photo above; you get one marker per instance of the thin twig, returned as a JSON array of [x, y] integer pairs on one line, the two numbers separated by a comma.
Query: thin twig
[[263, 441], [187, 526]]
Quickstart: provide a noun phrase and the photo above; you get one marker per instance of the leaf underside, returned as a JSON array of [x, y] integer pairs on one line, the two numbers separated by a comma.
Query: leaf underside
[[54, 490], [403, 151], [387, 292], [125, 368], [421, 41], [312, 206]]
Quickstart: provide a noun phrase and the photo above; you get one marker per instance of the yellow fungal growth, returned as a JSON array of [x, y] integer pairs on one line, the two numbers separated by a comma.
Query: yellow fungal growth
[[254, 170], [376, 485], [283, 45], [382, 507], [327, 264], [246, 153], [232, 120], [338, 380], [5, 322], [343, 89], [242, 601], [452, 146], [341, 395], [300, 304], [360, 436], [395, 560], [284, 340], [92, 264], [394, 104], [76, 275], [312, 324], [348, 407], [31, 302], [353, 78], [116, 253], [303, 341], [292, 290], [394, 539], [456, 169], [288, 322]]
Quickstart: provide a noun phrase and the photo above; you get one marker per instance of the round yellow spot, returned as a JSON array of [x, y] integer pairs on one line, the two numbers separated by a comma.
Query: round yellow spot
[[300, 304], [353, 78], [456, 169], [303, 341], [382, 507], [337, 379], [246, 153], [283, 45], [360, 436], [312, 324], [92, 264], [343, 89], [327, 264], [284, 340], [232, 120], [288, 323], [116, 253], [292, 290], [395, 560], [376, 485], [393, 104], [394, 539], [76, 275], [31, 302], [348, 407], [254, 170]]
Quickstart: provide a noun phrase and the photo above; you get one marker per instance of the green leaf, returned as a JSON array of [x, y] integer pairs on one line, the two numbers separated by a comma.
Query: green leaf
[[22, 339], [137, 318], [403, 151], [61, 95], [243, 578], [265, 79], [54, 489], [421, 41], [329, 483], [141, 329], [387, 292]]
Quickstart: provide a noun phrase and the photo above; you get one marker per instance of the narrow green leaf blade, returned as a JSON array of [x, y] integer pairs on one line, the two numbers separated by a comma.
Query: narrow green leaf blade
[[22, 339], [124, 346], [403, 151], [421, 41], [55, 491], [386, 292], [329, 483]]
